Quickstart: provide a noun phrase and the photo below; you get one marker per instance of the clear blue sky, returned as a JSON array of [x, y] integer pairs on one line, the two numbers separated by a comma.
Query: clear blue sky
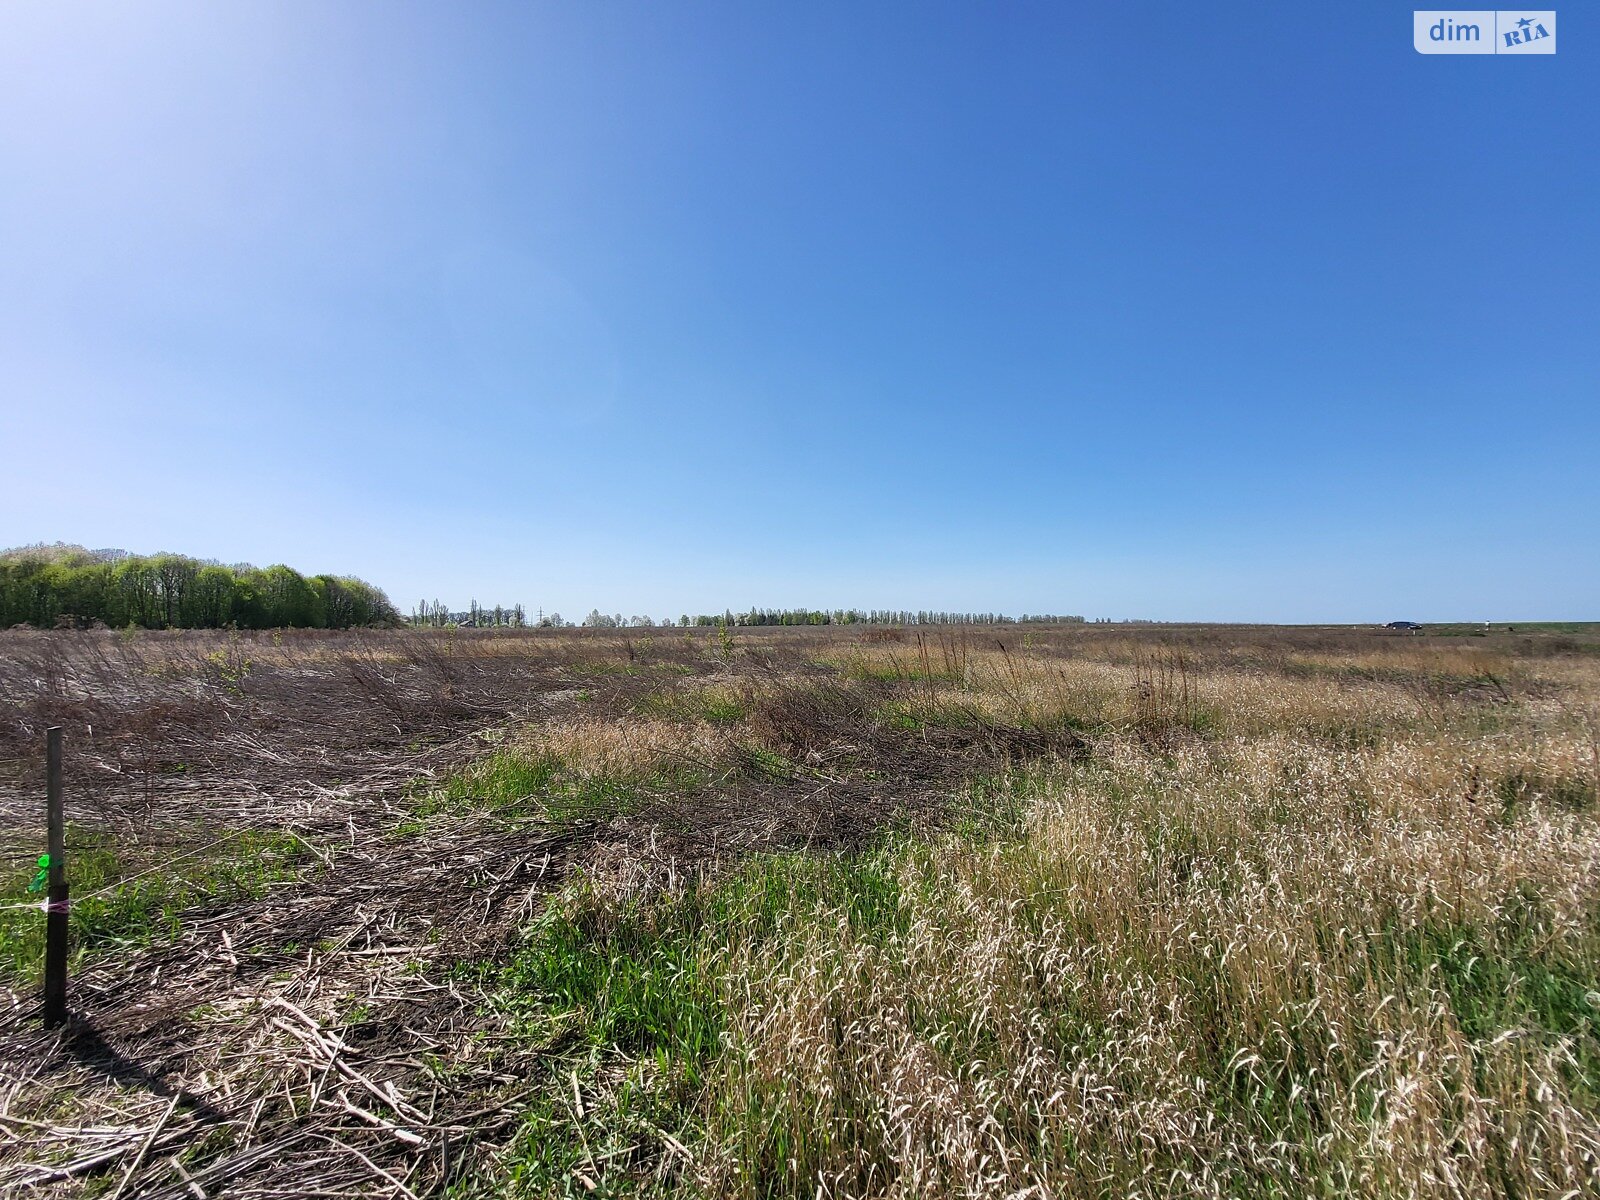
[[1242, 313]]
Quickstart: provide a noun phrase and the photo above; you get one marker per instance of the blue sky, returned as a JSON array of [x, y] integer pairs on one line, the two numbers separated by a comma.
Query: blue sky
[[1137, 310]]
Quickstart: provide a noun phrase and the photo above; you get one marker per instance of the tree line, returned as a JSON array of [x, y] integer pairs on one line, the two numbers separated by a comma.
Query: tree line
[[808, 616], [49, 586], [871, 616], [436, 614]]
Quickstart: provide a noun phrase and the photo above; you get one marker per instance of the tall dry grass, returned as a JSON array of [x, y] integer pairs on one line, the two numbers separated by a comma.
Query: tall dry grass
[[1319, 925], [1253, 968]]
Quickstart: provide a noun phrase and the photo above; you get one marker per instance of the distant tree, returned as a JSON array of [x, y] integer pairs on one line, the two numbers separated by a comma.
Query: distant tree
[[138, 592], [213, 598]]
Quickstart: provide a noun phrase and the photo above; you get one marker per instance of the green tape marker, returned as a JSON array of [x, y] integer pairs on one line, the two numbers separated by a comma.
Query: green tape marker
[[43, 877]]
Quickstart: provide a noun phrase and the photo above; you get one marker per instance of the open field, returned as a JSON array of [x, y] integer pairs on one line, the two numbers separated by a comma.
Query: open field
[[813, 912]]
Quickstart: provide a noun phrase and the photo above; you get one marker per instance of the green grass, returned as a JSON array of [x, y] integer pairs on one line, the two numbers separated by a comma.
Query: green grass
[[1520, 788], [710, 706], [763, 763], [144, 910], [994, 807], [910, 672], [521, 786], [626, 1019], [1515, 977], [628, 1009]]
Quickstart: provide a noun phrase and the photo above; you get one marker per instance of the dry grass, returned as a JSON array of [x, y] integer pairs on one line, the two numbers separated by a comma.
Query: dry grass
[[1258, 965], [1286, 931], [1079, 912]]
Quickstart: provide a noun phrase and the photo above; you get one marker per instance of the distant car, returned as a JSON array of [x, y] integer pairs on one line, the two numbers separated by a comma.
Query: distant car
[[1410, 626]]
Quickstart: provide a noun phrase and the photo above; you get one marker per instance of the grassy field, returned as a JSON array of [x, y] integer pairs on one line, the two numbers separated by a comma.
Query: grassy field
[[1051, 912]]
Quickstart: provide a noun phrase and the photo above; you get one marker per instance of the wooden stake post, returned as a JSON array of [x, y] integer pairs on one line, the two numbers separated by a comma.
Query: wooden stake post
[[55, 932]]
